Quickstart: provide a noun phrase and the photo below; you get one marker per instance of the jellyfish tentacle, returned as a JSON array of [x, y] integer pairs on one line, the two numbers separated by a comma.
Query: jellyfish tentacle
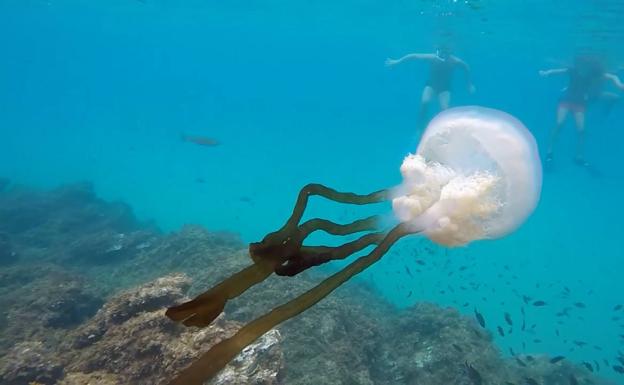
[[211, 362], [370, 223], [331, 194], [280, 250], [317, 255], [206, 307]]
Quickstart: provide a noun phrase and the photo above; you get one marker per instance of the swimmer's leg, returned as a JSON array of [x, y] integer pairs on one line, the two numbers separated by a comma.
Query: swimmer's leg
[[579, 118], [562, 113], [425, 99], [444, 98]]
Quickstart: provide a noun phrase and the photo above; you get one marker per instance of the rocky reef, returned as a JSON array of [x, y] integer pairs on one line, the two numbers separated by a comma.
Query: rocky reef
[[85, 287]]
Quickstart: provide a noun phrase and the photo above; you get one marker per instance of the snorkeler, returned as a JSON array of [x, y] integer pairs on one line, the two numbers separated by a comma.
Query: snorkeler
[[442, 65], [586, 79]]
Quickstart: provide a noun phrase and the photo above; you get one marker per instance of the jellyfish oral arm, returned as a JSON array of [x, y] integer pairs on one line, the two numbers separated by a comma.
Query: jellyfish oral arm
[[282, 252]]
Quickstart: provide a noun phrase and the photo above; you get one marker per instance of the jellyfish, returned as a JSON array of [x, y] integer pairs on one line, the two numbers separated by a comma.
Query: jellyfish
[[476, 174]]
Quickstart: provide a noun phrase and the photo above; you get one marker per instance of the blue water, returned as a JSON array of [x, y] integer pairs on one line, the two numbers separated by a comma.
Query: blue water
[[298, 92]]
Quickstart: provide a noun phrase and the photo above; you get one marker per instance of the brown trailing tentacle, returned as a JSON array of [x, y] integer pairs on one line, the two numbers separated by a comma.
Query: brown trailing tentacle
[[317, 255], [331, 194], [370, 223], [211, 362], [206, 307]]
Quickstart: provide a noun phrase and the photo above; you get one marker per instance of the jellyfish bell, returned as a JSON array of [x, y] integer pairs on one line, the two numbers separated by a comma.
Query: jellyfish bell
[[476, 174]]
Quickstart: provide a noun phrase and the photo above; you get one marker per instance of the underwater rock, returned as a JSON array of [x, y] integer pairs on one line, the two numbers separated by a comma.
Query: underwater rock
[[71, 225], [131, 339], [7, 255], [94, 378], [30, 362], [42, 302]]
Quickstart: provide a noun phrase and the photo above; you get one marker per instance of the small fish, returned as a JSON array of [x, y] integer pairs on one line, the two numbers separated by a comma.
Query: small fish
[[588, 366], [479, 318], [579, 343], [407, 270], [420, 262], [500, 331], [520, 362], [508, 319], [556, 359], [245, 199], [617, 307], [200, 180], [410, 294], [200, 140], [529, 358], [539, 303], [473, 374], [618, 369], [530, 381], [580, 305]]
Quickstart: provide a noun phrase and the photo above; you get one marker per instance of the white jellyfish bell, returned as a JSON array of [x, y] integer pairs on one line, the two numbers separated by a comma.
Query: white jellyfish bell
[[476, 175]]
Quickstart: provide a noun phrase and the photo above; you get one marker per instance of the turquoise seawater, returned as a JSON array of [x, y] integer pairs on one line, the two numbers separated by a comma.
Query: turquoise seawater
[[297, 92]]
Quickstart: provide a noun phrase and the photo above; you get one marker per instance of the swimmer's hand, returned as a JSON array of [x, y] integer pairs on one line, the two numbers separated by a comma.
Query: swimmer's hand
[[390, 62], [472, 89], [543, 73]]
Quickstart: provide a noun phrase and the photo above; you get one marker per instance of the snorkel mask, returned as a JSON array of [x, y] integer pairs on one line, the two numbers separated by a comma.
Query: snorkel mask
[[443, 53]]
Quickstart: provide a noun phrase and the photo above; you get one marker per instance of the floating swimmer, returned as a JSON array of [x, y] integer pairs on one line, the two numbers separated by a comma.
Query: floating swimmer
[[476, 175], [586, 80], [442, 66]]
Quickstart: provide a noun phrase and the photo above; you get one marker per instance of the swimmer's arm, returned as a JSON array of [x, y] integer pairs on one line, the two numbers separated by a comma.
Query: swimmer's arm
[[412, 56], [467, 74], [615, 80], [554, 71]]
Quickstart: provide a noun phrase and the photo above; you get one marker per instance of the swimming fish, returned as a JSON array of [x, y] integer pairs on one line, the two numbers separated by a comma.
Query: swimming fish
[[500, 331], [556, 359], [539, 303], [200, 140], [588, 366], [508, 319], [530, 381], [473, 374], [479, 318]]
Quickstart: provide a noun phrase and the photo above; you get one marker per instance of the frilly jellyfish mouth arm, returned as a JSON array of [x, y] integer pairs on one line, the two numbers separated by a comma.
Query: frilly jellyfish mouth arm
[[283, 252]]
